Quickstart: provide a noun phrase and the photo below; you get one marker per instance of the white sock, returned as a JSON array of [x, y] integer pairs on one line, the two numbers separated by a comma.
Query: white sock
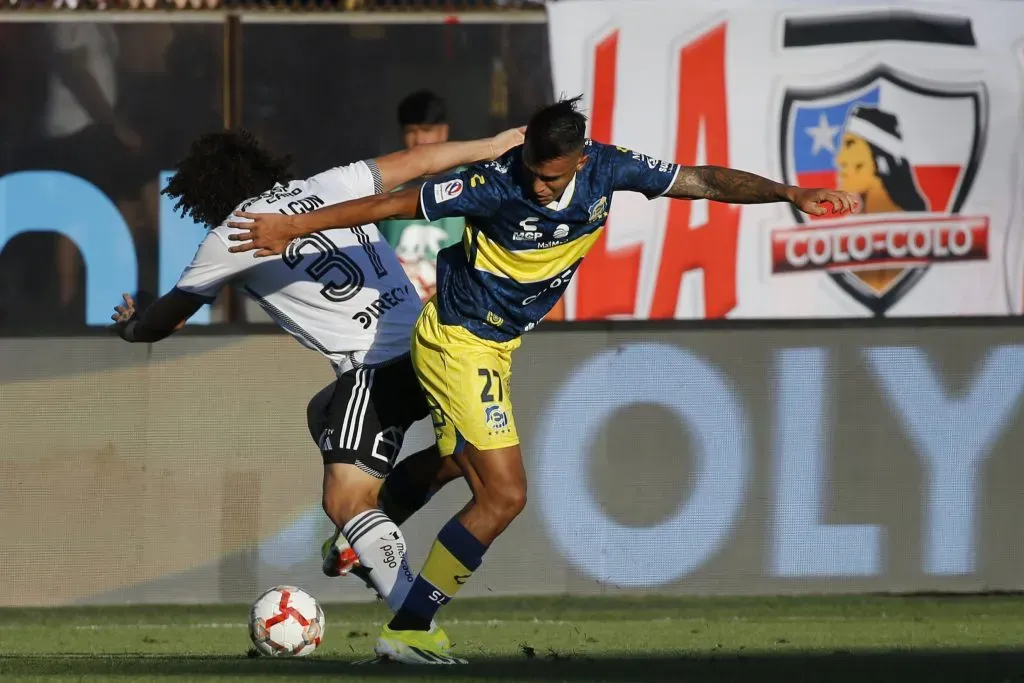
[[381, 548]]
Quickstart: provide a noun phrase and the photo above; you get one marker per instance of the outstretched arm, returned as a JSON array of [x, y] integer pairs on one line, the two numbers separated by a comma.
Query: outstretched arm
[[740, 187], [270, 233], [398, 168], [726, 185], [167, 315]]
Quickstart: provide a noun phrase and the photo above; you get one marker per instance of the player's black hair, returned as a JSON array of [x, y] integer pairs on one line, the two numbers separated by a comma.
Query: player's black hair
[[221, 171], [555, 131], [422, 108]]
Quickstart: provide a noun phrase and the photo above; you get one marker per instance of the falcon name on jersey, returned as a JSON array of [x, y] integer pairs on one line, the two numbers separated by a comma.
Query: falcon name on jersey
[[517, 256], [340, 292]]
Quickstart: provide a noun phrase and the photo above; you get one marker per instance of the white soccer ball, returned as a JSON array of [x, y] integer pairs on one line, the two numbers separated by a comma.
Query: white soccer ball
[[286, 622]]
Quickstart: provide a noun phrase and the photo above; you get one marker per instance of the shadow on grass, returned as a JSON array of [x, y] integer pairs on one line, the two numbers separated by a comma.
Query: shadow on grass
[[975, 666]]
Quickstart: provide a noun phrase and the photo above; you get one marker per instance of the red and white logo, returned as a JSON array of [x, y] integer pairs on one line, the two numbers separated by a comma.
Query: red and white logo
[[911, 151], [447, 190]]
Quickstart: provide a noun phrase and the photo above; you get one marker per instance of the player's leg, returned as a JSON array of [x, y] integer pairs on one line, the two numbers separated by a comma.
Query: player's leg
[[413, 481], [497, 479], [358, 449], [349, 499], [409, 485], [338, 556], [466, 381]]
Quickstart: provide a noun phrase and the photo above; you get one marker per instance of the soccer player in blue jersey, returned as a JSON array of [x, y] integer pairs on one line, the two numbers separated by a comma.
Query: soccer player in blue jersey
[[531, 216]]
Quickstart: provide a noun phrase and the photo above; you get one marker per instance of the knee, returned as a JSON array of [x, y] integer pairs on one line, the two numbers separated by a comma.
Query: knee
[[505, 502], [341, 506]]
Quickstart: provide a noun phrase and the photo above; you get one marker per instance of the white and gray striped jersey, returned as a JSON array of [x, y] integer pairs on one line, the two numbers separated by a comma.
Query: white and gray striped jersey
[[340, 292]]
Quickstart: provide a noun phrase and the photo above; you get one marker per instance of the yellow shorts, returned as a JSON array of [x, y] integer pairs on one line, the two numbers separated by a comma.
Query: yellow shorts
[[466, 380]]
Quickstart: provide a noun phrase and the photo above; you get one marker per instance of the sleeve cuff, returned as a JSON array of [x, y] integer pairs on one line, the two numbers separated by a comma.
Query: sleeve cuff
[[378, 179], [198, 297], [423, 203], [670, 183]]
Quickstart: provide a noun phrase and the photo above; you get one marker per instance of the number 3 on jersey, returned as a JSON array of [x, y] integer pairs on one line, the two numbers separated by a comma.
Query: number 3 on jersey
[[342, 277]]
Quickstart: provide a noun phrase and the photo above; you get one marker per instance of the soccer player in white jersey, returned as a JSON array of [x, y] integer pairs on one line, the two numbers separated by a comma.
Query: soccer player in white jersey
[[340, 292]]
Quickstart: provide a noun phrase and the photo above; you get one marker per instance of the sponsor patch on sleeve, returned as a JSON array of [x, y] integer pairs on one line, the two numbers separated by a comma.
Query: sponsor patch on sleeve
[[448, 190]]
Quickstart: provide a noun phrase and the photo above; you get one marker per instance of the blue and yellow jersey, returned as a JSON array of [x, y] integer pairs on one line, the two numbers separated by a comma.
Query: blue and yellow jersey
[[517, 256]]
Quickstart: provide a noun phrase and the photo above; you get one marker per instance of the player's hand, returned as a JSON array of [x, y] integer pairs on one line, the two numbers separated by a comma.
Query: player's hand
[[820, 202], [503, 142], [125, 311], [266, 233], [124, 316]]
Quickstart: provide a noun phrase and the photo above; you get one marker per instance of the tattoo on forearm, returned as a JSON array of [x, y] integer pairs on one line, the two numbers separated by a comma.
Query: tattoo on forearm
[[725, 185]]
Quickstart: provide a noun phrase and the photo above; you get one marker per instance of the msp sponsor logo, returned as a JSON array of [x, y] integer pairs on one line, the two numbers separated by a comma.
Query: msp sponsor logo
[[496, 418], [528, 230], [447, 190], [876, 136], [598, 210]]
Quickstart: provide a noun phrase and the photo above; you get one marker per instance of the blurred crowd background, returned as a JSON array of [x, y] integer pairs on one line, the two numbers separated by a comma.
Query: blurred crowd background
[[347, 5], [118, 102]]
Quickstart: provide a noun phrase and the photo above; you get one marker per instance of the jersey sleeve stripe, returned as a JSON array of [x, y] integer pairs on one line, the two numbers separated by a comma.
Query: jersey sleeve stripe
[[378, 179], [670, 183], [423, 204]]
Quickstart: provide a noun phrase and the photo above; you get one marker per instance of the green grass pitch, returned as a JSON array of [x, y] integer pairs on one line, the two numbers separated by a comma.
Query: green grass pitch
[[768, 640]]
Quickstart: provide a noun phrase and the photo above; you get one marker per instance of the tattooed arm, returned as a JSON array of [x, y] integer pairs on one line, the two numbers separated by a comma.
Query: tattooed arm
[[726, 185], [739, 187]]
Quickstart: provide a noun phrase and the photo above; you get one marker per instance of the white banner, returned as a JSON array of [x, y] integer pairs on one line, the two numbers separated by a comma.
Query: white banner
[[919, 109]]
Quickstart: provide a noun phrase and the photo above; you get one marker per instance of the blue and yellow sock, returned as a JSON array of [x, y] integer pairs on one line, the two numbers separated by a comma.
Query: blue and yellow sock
[[453, 558]]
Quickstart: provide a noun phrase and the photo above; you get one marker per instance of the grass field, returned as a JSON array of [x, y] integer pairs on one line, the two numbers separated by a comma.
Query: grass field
[[970, 639]]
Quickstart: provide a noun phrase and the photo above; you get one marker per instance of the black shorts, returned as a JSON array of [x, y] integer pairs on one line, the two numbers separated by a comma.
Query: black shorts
[[361, 418]]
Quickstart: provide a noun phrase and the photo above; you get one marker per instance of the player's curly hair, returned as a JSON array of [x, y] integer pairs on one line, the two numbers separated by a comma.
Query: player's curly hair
[[221, 171], [556, 130]]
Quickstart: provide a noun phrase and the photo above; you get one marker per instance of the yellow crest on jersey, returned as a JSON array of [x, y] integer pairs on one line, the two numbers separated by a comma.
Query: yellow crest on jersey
[[599, 209], [495, 320]]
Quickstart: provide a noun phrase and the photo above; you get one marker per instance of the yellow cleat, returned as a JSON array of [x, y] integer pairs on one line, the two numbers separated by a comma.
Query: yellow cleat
[[415, 647]]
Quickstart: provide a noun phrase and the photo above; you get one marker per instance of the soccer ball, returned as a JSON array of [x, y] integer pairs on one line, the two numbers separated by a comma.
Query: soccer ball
[[286, 622]]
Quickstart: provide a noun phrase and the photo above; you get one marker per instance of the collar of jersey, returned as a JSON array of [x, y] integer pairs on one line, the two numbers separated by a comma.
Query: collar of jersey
[[566, 196]]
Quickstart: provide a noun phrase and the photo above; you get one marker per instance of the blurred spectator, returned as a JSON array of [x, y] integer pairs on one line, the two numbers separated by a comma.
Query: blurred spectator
[[423, 119], [142, 77], [197, 4], [81, 124]]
